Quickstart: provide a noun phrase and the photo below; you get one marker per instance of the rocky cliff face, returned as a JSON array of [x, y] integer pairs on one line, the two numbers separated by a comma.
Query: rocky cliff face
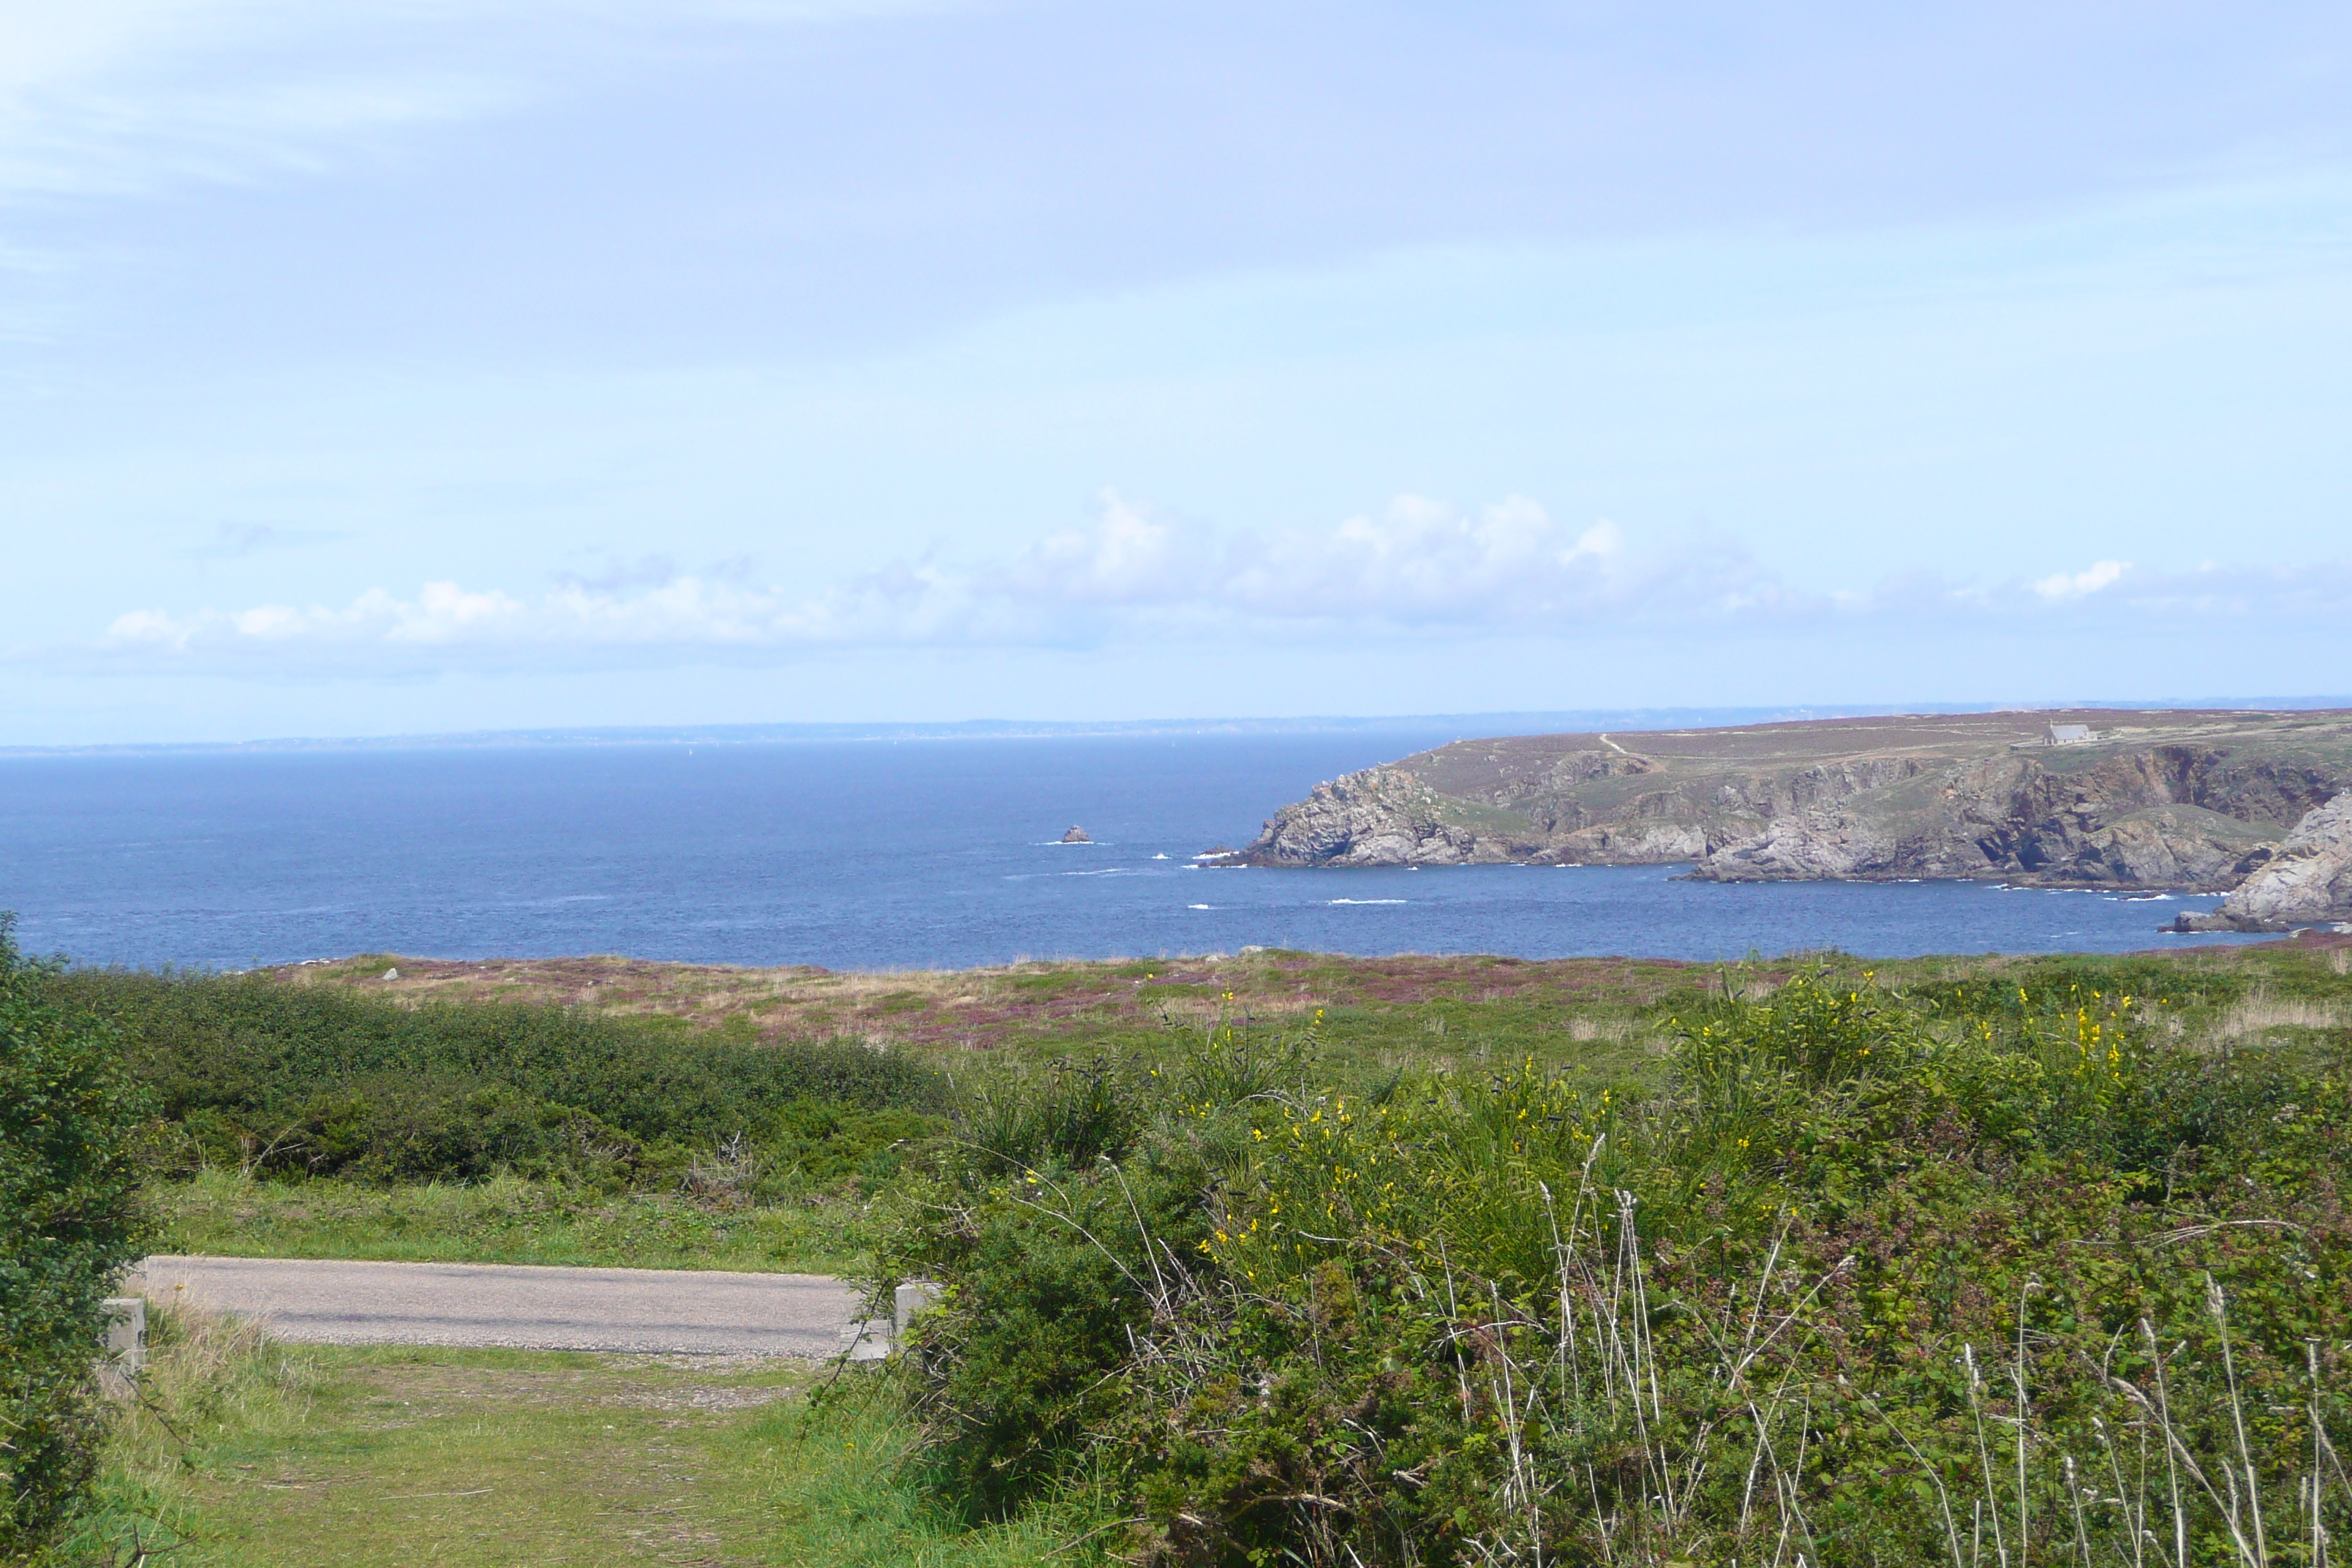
[[2169, 816], [1380, 817], [2196, 802], [2308, 878]]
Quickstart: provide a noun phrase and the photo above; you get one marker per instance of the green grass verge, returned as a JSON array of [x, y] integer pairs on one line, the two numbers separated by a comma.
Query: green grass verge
[[506, 1219], [250, 1453]]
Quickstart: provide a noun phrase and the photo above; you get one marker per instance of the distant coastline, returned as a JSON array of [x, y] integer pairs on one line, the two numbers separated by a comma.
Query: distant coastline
[[1515, 723]]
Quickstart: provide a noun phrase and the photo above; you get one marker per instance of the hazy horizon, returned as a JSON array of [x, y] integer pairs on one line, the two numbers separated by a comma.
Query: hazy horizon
[[1626, 720]]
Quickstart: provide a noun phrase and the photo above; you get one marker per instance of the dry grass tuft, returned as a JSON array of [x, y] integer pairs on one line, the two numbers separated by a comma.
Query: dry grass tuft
[[206, 1371], [2260, 1012], [203, 1355]]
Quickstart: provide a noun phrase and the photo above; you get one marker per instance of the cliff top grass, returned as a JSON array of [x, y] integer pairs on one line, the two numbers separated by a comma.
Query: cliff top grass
[[1523, 762], [1408, 1007]]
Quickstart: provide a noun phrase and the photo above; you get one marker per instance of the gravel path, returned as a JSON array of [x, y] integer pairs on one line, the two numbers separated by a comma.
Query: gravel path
[[648, 1311]]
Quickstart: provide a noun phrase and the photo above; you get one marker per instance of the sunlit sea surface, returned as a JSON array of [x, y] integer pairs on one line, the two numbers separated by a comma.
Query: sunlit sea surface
[[862, 854]]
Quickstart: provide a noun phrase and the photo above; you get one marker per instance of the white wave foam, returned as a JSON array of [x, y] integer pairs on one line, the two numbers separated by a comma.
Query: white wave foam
[[1198, 906], [1371, 900]]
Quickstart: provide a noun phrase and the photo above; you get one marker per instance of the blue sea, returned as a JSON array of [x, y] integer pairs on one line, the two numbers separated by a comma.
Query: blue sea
[[861, 854]]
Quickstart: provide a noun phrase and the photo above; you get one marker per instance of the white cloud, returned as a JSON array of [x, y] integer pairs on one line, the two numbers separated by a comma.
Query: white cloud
[[1419, 563], [2062, 587], [1419, 568], [2318, 593]]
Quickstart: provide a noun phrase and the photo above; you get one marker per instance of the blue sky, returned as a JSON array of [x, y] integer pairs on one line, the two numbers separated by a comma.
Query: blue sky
[[402, 365]]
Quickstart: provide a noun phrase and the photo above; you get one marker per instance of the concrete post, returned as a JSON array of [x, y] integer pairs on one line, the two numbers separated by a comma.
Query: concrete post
[[913, 1297], [126, 1334], [875, 1338]]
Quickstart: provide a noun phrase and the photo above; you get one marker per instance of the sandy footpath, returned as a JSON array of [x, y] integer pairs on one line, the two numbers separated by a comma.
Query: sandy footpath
[[645, 1310]]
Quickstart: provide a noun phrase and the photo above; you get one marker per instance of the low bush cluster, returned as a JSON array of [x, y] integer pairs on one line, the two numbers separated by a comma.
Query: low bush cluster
[[68, 1226], [266, 1079], [1968, 1277]]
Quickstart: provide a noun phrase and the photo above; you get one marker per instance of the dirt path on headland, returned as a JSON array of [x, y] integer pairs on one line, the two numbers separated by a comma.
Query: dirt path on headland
[[644, 1310]]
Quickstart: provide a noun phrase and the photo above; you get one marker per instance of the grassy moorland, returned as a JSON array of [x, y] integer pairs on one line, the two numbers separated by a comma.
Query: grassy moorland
[[1407, 1006], [1397, 1007]]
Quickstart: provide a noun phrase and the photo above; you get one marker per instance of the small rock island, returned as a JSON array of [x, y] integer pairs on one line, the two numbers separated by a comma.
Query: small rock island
[[1077, 834]]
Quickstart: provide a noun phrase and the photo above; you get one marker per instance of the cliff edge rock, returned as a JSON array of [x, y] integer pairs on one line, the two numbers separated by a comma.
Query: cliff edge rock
[[2308, 878]]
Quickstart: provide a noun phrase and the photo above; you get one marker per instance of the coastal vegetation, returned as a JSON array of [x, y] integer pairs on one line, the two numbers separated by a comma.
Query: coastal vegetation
[[68, 1225], [603, 1110], [268, 1079], [796, 1224], [1974, 1271], [1286, 1257]]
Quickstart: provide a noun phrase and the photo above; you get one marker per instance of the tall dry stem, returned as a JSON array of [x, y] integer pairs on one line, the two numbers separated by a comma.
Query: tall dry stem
[[1984, 1453], [2218, 1308], [2171, 1467]]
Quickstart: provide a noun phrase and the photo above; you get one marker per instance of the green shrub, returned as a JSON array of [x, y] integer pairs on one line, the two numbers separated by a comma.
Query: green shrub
[[1076, 1113], [255, 1075], [1071, 1216], [824, 1142], [68, 1228], [1050, 1295]]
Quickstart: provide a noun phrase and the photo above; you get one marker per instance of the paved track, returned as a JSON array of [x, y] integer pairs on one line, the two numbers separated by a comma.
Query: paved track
[[669, 1312]]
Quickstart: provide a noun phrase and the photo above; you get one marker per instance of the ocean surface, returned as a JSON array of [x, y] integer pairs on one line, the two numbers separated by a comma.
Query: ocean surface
[[861, 855]]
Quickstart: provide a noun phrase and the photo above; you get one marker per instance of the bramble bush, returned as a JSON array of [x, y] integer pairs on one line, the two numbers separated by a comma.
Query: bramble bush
[[68, 1228], [1869, 1278]]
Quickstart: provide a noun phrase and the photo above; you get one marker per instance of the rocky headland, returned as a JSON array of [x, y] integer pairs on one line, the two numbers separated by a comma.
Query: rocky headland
[[2308, 879], [2163, 799]]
